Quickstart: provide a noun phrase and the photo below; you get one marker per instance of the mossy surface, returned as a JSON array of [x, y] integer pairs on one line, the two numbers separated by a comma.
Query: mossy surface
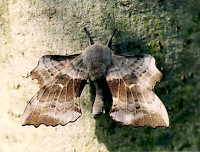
[[168, 30]]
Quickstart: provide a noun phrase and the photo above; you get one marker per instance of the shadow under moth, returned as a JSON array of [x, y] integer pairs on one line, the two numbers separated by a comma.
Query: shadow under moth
[[125, 81]]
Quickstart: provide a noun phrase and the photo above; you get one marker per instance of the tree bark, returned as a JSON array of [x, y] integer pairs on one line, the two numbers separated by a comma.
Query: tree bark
[[165, 29]]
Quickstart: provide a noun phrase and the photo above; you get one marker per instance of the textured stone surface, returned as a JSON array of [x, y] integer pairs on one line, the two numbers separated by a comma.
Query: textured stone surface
[[169, 30]]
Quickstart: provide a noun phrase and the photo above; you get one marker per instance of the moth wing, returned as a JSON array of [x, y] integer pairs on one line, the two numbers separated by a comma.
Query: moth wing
[[61, 79], [49, 66], [131, 80]]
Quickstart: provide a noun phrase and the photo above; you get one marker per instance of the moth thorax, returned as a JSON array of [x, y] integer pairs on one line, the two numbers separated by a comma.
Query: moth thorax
[[97, 70], [97, 59]]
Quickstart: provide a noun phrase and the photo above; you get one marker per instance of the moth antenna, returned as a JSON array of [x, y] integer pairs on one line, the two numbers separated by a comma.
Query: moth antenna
[[88, 35], [110, 40]]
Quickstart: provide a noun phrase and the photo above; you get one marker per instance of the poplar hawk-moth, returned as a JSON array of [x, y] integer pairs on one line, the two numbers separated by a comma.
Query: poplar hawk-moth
[[126, 81]]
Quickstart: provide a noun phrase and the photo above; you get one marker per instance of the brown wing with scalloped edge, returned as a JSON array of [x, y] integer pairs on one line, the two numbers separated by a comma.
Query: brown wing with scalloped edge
[[131, 80], [61, 79]]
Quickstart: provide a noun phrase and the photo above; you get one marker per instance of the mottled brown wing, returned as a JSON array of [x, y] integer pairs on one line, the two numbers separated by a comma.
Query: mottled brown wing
[[131, 80], [61, 79]]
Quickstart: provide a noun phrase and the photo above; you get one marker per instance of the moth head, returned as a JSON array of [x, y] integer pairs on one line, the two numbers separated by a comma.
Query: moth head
[[97, 57]]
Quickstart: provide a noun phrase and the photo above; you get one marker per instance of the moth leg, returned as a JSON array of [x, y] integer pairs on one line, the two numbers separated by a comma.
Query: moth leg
[[92, 91], [88, 35], [109, 43]]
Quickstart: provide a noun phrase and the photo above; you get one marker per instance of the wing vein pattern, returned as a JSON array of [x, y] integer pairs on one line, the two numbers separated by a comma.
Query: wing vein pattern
[[134, 102], [61, 80]]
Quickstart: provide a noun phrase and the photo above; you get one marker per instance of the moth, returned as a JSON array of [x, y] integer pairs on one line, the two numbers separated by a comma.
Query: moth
[[125, 81]]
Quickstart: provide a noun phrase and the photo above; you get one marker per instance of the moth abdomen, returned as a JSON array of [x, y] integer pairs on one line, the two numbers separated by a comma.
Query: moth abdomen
[[101, 96]]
